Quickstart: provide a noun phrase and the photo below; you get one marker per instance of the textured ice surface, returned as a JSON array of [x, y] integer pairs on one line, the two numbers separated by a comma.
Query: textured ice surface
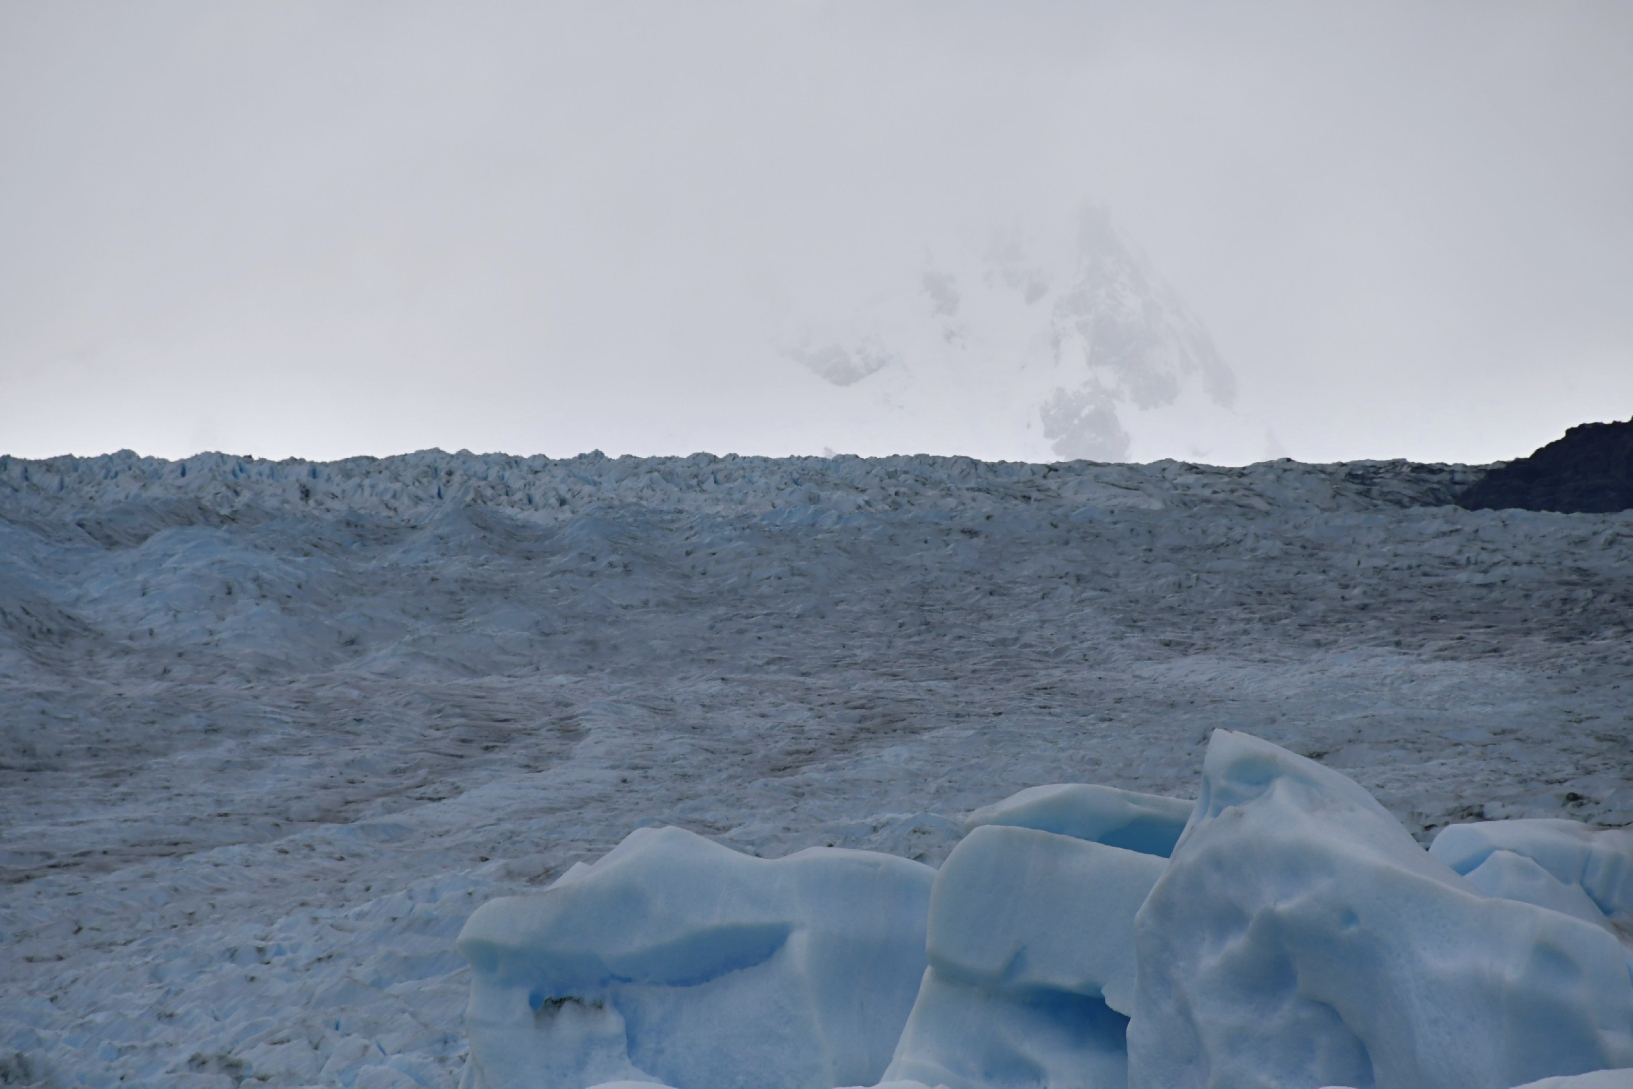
[[676, 959], [1300, 936], [968, 1037], [1018, 910], [1031, 978], [1515, 856], [1120, 818], [1510, 876], [269, 732]]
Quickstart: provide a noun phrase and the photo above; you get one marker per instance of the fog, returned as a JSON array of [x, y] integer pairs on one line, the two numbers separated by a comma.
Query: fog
[[318, 229]]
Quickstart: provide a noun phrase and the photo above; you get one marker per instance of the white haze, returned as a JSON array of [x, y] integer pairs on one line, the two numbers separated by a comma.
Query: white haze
[[324, 229]]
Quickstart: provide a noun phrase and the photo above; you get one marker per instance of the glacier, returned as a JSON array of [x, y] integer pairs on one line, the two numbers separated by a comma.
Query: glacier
[[677, 959], [1593, 868], [1032, 971], [1298, 936], [271, 732], [1147, 823]]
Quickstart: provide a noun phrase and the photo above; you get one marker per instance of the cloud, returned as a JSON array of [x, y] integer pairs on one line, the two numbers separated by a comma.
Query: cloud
[[380, 227]]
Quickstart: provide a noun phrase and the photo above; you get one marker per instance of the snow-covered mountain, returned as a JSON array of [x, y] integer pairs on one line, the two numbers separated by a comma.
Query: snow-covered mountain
[[1060, 344]]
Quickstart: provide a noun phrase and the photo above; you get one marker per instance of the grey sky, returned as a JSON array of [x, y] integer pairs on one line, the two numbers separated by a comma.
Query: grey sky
[[323, 229]]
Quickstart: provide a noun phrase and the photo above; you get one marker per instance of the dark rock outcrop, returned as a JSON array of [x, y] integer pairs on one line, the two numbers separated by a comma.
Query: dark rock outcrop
[[1588, 471]]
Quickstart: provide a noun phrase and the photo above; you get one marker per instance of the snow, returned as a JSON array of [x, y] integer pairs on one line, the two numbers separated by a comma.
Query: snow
[[1300, 935], [677, 959], [1052, 340], [273, 731]]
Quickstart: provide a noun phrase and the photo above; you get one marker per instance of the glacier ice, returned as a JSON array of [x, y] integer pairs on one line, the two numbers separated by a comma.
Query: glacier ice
[[1597, 1079], [967, 1037], [1032, 970], [1020, 910], [1510, 876], [678, 960], [1296, 937], [1300, 937], [274, 729], [1146, 823], [1592, 869], [1594, 1079]]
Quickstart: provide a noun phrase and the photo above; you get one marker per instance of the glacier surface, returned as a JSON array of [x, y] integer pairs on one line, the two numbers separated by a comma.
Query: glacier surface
[[272, 731]]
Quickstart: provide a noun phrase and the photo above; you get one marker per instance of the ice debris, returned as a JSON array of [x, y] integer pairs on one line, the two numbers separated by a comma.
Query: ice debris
[[677, 960], [1118, 818], [1300, 937], [1032, 971], [1559, 862], [1297, 937]]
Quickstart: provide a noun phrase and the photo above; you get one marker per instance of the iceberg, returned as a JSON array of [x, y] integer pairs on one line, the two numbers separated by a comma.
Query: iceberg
[[679, 961], [1300, 937]]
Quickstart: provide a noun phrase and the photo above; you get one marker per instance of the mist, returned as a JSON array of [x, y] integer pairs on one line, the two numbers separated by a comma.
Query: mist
[[1398, 230]]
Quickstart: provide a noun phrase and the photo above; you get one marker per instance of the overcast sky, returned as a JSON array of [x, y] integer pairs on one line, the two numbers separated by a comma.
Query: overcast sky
[[322, 229]]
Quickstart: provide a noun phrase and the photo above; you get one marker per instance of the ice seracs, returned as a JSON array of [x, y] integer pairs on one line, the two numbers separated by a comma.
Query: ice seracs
[[1024, 911], [1118, 818], [966, 1037], [1032, 971], [1297, 937], [675, 959], [1555, 863], [1300, 937], [1031, 950]]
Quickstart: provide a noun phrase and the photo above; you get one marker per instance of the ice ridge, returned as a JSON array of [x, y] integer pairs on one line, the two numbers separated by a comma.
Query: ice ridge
[[1296, 937]]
